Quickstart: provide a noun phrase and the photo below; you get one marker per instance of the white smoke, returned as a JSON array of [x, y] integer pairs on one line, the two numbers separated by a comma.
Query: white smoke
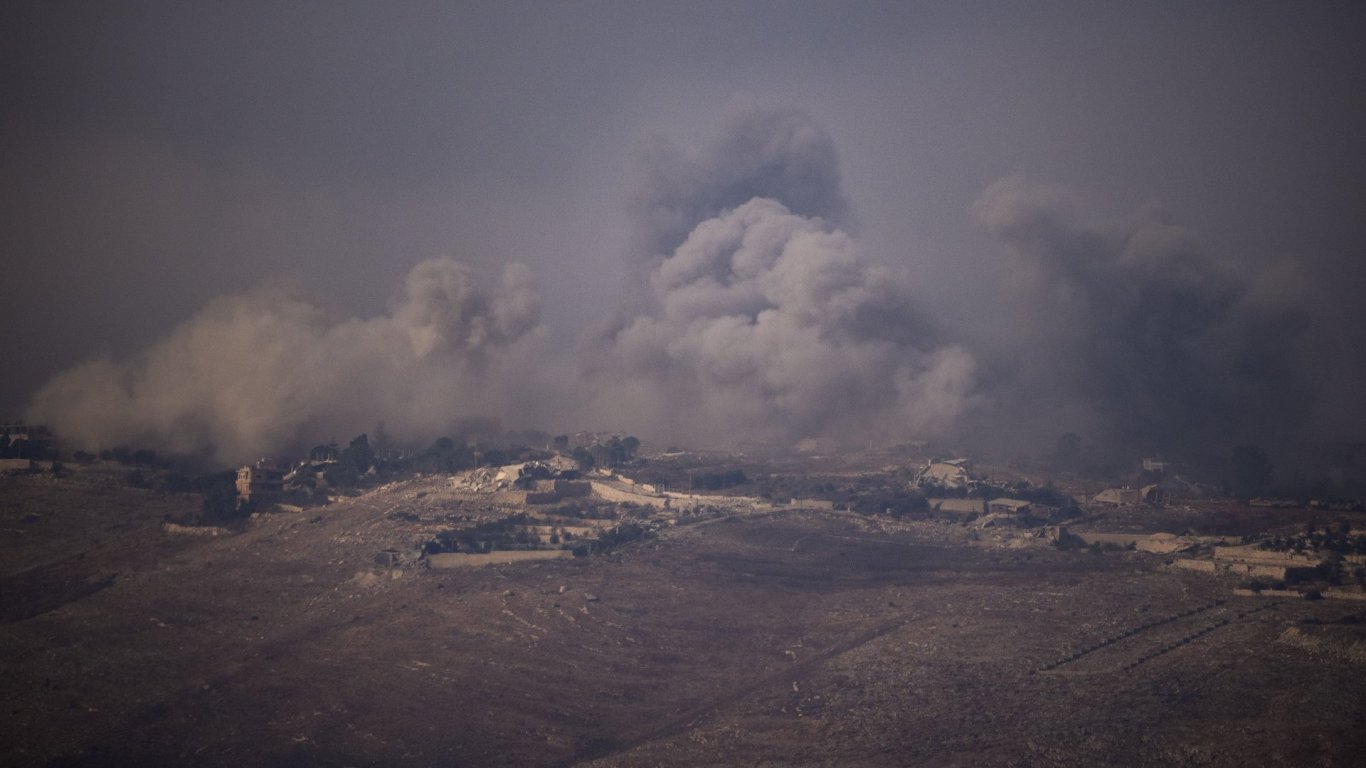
[[265, 371]]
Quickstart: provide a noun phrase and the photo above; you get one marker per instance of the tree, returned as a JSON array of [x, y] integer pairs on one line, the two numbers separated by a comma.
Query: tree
[[583, 458], [616, 452], [382, 441], [359, 454], [631, 445], [220, 499], [353, 462], [144, 457], [444, 456], [561, 443]]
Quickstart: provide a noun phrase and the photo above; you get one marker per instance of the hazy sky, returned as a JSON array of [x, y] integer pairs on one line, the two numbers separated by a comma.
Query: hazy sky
[[159, 155]]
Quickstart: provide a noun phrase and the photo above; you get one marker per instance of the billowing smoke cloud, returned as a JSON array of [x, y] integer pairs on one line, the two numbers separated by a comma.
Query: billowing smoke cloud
[[774, 153], [752, 314], [262, 372], [758, 318], [1129, 334]]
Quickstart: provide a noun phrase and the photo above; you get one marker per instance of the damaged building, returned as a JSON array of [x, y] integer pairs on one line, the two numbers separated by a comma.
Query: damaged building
[[950, 474], [260, 483]]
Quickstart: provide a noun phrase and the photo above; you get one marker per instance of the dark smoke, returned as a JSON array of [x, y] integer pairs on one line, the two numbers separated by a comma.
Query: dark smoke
[[780, 154], [752, 315], [1130, 334]]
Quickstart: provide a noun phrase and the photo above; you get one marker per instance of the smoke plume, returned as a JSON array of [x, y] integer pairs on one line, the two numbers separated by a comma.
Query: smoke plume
[[265, 371], [774, 153], [749, 313], [1130, 334], [758, 317]]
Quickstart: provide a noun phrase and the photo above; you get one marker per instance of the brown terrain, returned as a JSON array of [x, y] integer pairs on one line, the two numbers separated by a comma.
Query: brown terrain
[[772, 638]]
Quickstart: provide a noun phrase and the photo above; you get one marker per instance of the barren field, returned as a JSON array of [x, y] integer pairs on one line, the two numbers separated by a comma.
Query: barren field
[[783, 639]]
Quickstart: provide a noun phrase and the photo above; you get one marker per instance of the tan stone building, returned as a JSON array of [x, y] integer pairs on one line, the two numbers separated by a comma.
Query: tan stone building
[[262, 482]]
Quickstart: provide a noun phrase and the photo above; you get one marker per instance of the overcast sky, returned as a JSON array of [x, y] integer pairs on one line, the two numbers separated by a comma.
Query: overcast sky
[[159, 155]]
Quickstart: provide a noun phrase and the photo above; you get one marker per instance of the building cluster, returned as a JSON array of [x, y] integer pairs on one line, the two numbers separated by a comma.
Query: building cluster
[[994, 512], [544, 490], [950, 488]]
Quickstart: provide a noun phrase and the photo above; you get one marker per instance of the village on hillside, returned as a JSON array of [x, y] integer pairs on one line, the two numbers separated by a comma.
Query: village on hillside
[[460, 505], [532, 567]]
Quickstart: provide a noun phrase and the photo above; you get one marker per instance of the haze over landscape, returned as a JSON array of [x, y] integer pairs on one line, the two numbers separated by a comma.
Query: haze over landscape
[[238, 229], [626, 384]]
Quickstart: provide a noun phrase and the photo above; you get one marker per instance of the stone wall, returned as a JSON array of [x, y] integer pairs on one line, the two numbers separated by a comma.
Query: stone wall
[[572, 488], [526, 497], [1264, 557], [620, 495]]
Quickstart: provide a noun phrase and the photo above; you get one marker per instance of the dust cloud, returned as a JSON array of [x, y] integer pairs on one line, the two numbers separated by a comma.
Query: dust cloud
[[749, 312], [752, 313], [267, 371]]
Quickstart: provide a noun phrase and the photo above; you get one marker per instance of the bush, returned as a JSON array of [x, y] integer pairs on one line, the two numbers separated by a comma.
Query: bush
[[176, 482], [896, 503], [343, 474], [622, 534], [715, 481], [220, 504]]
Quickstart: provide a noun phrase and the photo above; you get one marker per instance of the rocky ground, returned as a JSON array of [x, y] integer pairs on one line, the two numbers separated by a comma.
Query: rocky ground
[[782, 639]]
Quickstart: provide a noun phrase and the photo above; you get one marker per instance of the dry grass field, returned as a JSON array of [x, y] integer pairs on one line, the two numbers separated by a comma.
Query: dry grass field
[[784, 639]]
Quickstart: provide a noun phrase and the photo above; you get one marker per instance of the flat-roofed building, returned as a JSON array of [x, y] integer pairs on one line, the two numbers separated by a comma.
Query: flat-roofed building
[[262, 482], [958, 508]]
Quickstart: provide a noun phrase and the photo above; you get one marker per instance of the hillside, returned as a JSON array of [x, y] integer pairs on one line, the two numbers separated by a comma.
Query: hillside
[[782, 638]]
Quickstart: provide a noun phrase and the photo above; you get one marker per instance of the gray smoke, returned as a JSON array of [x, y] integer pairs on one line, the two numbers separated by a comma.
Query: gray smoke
[[752, 314], [774, 153], [266, 371], [1128, 333], [757, 317]]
